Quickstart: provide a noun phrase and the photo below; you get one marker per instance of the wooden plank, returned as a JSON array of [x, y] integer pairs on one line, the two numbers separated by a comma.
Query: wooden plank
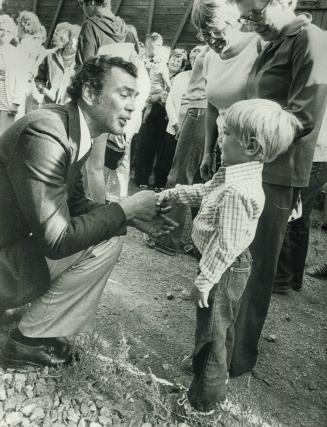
[[182, 24], [35, 5], [118, 5], [54, 22], [150, 18]]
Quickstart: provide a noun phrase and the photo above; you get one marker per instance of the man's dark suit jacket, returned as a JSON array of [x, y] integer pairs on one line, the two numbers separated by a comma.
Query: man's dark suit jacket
[[43, 208]]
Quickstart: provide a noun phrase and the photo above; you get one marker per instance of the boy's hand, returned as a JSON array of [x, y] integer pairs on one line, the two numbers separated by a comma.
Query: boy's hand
[[200, 298]]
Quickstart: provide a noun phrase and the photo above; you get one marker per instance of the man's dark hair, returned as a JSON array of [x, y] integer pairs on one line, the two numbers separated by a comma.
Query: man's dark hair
[[95, 71]]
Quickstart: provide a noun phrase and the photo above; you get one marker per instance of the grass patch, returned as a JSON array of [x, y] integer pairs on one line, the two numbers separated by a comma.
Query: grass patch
[[132, 396]]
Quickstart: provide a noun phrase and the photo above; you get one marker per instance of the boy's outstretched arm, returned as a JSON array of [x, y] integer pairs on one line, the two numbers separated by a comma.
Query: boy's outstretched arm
[[189, 195]]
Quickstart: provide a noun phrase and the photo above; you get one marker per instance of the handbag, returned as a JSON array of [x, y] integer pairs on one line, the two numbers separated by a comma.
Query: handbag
[[115, 150]]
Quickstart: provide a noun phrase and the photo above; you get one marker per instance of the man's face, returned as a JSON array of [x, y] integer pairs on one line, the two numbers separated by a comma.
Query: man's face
[[88, 7], [268, 17], [112, 110]]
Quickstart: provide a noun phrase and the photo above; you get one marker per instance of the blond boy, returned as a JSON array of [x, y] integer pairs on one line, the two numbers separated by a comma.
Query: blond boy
[[256, 131]]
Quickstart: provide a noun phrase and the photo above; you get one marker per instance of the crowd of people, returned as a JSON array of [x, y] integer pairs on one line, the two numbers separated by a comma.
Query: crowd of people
[[232, 133]]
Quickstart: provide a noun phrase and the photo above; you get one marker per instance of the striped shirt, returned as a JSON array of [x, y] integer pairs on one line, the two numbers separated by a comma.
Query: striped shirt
[[230, 206]]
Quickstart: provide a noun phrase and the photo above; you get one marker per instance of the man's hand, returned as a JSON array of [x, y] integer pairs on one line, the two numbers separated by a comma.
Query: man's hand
[[206, 171], [13, 109], [159, 226], [143, 206], [200, 299]]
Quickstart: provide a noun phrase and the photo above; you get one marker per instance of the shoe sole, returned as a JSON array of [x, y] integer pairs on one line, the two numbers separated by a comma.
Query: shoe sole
[[14, 363]]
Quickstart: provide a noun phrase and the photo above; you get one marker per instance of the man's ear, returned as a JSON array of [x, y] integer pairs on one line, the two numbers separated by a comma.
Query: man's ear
[[88, 95], [254, 149]]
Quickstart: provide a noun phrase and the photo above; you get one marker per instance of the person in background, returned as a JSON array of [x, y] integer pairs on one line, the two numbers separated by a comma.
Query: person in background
[[101, 27], [117, 180], [290, 70], [188, 156], [28, 24], [152, 42], [255, 131], [290, 269], [12, 94], [60, 35], [55, 72], [176, 107], [152, 132]]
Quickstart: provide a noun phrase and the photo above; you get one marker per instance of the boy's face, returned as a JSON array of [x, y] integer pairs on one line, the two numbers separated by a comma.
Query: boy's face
[[232, 151]]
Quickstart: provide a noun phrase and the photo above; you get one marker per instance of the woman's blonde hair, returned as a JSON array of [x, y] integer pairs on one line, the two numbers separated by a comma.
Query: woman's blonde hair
[[266, 121], [10, 23], [214, 13]]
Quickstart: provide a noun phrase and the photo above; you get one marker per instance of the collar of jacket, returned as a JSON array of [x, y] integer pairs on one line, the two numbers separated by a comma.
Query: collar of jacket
[[74, 129], [298, 24]]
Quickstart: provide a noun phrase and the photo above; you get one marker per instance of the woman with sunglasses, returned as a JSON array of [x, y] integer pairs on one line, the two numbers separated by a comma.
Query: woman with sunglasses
[[292, 71]]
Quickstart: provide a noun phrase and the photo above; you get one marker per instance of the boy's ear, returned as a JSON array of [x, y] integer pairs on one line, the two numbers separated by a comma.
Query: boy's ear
[[254, 149]]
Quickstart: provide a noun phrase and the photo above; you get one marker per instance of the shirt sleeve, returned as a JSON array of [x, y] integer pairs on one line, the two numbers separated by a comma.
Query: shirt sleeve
[[234, 213], [190, 195], [308, 90]]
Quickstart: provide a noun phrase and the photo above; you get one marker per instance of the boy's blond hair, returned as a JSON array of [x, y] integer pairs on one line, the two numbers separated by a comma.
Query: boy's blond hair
[[266, 121]]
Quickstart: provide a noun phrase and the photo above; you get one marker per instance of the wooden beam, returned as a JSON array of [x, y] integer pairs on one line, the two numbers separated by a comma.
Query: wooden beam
[[118, 5], [150, 18], [54, 21], [182, 24], [35, 5]]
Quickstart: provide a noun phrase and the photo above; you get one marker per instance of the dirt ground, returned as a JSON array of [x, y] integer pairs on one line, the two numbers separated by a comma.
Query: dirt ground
[[289, 387]]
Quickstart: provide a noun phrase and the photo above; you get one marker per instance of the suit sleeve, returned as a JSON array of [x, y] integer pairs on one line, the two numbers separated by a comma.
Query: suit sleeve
[[40, 169]]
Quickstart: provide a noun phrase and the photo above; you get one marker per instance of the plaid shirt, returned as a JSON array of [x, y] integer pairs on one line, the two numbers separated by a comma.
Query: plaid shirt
[[231, 204]]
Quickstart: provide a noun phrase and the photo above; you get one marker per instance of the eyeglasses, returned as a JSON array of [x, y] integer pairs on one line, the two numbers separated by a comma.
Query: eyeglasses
[[205, 36], [256, 15]]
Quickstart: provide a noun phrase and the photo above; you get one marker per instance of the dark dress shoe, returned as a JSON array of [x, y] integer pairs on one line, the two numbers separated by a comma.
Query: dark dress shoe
[[51, 352]]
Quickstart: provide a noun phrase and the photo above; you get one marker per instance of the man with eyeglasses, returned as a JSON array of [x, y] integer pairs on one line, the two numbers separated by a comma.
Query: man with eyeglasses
[[292, 71]]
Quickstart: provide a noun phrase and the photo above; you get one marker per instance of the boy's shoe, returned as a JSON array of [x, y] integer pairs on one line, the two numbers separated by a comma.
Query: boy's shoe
[[143, 187], [189, 410], [318, 271]]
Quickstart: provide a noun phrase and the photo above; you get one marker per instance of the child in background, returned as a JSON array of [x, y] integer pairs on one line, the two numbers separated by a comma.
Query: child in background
[[159, 77], [256, 131]]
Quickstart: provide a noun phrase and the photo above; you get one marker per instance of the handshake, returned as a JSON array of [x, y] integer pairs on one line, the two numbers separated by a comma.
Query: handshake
[[147, 212]]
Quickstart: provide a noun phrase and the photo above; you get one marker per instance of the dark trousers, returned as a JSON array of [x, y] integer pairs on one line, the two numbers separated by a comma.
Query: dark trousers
[[292, 258], [150, 140], [186, 167], [164, 160], [265, 250], [214, 336]]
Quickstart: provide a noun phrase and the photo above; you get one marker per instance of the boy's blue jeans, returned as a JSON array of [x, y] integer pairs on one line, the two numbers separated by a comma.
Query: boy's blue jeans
[[214, 336]]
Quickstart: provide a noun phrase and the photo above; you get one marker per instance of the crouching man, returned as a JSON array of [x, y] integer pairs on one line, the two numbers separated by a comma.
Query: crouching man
[[58, 248]]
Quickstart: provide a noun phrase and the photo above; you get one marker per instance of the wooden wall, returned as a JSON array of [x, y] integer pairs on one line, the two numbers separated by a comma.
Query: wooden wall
[[167, 15]]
